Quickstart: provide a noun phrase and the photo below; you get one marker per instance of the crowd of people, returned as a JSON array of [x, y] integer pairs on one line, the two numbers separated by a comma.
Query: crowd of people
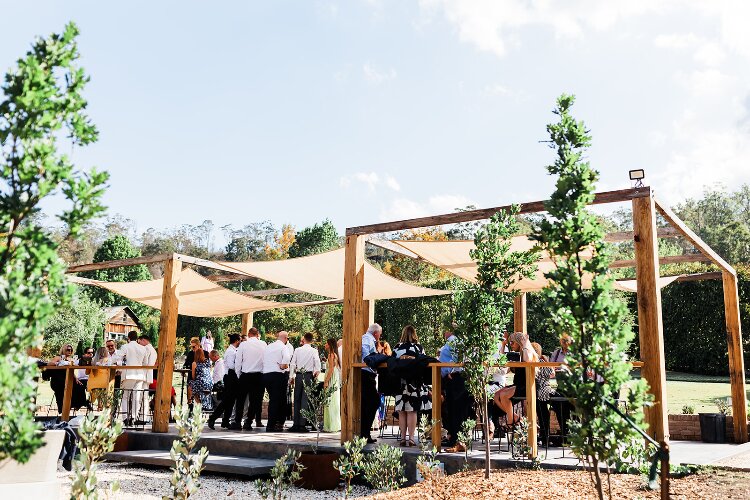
[[233, 387]]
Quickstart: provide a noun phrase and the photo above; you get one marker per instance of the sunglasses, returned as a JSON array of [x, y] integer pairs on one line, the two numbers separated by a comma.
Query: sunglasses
[[89, 352]]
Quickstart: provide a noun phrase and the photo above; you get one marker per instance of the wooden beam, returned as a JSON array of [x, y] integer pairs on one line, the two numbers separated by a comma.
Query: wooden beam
[[112, 264], [247, 323], [717, 275], [437, 410], [693, 238], [650, 328], [217, 278], [736, 356], [187, 259], [355, 315], [531, 410], [170, 303], [670, 259], [486, 213], [67, 394], [519, 313], [622, 236]]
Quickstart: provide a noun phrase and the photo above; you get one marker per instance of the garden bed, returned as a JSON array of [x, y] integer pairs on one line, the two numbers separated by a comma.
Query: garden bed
[[556, 484]]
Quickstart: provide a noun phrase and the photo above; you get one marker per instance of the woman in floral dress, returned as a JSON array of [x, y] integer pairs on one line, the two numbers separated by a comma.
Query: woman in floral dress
[[413, 398], [202, 382]]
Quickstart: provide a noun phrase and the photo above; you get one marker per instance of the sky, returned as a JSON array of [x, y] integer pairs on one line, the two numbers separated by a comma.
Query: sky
[[364, 111]]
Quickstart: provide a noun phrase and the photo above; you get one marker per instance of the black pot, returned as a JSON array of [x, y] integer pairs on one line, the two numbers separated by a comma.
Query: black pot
[[713, 427], [319, 472]]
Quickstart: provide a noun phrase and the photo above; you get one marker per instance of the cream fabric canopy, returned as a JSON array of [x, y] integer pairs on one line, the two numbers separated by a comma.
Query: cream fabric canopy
[[323, 274], [198, 296]]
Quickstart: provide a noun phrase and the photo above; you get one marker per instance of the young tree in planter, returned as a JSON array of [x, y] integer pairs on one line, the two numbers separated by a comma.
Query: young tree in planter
[[484, 310], [595, 318], [42, 106]]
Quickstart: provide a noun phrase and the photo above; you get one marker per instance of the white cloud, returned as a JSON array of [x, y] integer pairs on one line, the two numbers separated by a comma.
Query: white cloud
[[707, 83], [376, 76], [497, 90], [371, 180], [705, 51], [392, 183], [678, 41], [404, 208]]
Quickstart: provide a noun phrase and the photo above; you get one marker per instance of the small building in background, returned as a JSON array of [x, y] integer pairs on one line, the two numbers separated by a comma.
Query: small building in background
[[120, 321]]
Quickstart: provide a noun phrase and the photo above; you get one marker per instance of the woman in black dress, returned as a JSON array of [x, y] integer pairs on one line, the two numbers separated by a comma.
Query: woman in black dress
[[414, 396], [519, 342]]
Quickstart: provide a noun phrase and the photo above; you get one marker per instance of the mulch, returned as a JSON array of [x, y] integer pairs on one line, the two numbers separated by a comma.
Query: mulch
[[556, 484]]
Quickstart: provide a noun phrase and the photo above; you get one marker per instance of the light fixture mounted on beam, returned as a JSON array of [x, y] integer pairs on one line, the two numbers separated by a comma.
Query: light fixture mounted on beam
[[637, 176]]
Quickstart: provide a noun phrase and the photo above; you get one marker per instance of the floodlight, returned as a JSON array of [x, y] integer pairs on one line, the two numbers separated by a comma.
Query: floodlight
[[637, 176]]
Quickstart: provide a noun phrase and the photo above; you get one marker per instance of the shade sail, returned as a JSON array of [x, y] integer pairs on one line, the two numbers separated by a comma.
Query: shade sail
[[454, 256], [323, 274], [198, 296], [632, 285]]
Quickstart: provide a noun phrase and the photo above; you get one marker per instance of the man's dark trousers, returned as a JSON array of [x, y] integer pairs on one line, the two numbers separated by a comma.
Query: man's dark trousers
[[369, 403], [300, 398], [228, 396], [250, 385], [275, 383], [458, 402]]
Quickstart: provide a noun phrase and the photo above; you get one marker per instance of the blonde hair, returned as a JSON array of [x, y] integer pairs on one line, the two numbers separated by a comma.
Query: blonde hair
[[195, 340], [409, 334]]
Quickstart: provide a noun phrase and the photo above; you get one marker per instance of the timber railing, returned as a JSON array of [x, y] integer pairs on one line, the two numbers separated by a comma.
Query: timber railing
[[530, 395]]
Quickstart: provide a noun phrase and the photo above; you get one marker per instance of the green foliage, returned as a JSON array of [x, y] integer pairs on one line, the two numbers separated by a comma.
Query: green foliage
[[187, 466], [383, 468], [595, 319], [688, 410], [351, 462], [465, 435], [723, 406], [285, 472], [430, 314], [248, 243], [428, 465], [42, 107], [317, 399], [315, 239], [81, 323], [521, 448], [484, 310], [98, 435], [116, 248]]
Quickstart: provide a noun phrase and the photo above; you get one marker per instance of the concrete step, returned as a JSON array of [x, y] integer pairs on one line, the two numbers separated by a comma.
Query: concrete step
[[243, 466]]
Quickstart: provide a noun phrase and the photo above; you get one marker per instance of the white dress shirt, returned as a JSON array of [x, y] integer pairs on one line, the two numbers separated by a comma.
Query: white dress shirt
[[306, 359], [230, 355], [276, 354], [217, 375], [135, 355], [149, 361], [250, 356]]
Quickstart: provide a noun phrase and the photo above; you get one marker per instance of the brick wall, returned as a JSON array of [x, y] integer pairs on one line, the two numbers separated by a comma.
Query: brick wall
[[688, 428]]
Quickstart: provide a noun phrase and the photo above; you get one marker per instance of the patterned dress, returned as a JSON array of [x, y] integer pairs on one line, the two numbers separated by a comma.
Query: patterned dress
[[202, 384], [412, 397]]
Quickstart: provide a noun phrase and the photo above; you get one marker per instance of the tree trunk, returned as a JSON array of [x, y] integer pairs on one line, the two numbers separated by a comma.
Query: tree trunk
[[598, 483], [487, 437]]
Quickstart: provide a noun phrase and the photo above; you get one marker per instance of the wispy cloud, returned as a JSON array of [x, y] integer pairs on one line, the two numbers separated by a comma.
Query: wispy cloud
[[377, 76], [371, 180], [405, 208]]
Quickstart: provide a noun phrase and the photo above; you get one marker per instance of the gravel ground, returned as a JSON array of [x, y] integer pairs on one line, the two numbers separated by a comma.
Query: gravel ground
[[141, 483], [556, 484]]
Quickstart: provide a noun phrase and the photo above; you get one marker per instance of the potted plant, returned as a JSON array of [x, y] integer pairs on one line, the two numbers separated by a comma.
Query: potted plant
[[713, 425], [319, 472]]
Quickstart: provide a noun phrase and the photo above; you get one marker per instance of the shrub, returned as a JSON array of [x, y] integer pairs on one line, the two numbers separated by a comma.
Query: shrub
[[350, 463], [187, 467], [723, 406], [688, 410], [98, 435], [285, 472], [383, 468]]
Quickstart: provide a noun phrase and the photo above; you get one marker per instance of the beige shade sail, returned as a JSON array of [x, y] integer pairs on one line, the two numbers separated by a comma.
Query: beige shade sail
[[198, 296], [632, 285], [323, 274]]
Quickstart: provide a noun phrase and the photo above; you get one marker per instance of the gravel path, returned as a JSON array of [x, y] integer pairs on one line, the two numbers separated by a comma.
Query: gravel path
[[141, 483]]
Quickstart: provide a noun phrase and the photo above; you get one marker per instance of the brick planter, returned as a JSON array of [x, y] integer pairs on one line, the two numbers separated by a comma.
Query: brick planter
[[688, 428]]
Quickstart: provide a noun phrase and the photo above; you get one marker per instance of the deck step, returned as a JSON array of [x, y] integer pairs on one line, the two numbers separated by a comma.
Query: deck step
[[244, 466]]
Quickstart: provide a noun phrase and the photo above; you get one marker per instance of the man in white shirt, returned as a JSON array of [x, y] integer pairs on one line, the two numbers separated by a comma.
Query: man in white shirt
[[133, 381], [276, 359], [229, 394], [249, 369], [145, 341], [304, 367], [115, 358]]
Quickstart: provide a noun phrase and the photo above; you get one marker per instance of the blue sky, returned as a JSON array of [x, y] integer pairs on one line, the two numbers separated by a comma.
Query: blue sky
[[364, 111]]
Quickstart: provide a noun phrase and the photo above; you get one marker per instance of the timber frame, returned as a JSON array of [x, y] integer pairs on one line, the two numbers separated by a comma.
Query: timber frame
[[358, 313]]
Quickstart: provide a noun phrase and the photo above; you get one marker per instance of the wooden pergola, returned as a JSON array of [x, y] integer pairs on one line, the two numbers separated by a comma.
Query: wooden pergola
[[359, 313]]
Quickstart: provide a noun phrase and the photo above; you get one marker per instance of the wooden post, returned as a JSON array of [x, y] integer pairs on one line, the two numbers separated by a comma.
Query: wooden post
[[736, 359], [519, 313], [355, 316], [170, 302], [531, 410], [68, 394], [650, 329], [247, 322], [437, 429]]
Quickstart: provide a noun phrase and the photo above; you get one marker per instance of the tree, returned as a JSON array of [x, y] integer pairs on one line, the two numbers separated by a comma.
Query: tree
[[116, 248], [42, 107], [282, 243], [315, 239], [79, 323], [597, 361], [484, 310], [248, 243]]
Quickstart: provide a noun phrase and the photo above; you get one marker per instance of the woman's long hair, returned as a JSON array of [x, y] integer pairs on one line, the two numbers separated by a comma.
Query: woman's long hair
[[333, 348], [101, 354], [200, 356], [409, 334]]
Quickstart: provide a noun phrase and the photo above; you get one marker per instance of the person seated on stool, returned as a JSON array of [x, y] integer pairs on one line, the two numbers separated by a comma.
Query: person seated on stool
[[519, 342]]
